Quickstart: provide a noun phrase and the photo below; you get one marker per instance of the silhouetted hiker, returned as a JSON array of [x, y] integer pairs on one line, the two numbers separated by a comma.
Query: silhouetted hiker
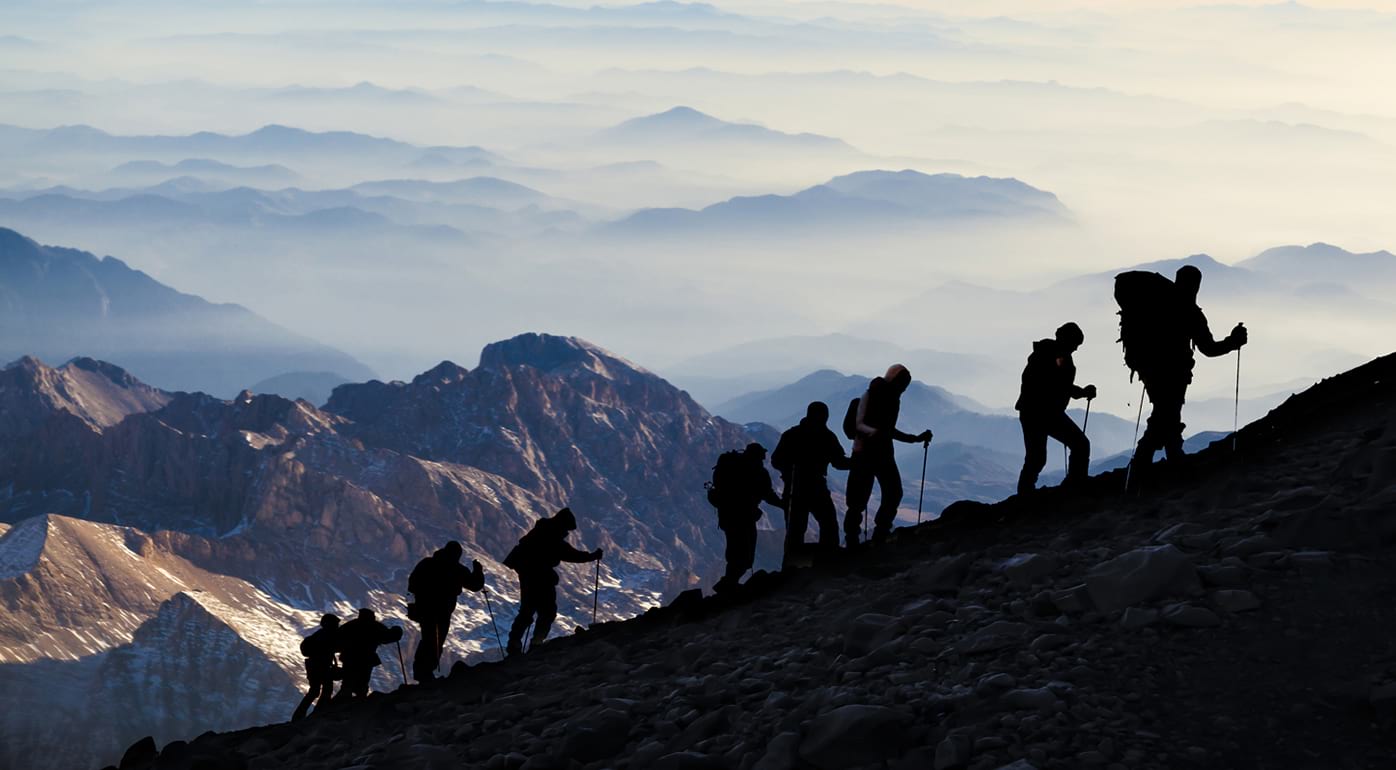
[[874, 428], [535, 558], [740, 484], [357, 641], [436, 583], [1049, 384], [803, 456], [1160, 326], [319, 649]]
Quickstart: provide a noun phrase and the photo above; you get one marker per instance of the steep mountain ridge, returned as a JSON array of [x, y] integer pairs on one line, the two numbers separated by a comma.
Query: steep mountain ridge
[[57, 303], [1190, 626]]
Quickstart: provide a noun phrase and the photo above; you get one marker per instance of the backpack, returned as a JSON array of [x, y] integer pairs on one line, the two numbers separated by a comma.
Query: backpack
[[781, 458], [1148, 304], [726, 477], [850, 420]]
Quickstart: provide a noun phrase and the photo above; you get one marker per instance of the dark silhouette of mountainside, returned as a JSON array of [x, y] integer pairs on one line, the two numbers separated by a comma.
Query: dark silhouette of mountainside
[[57, 303], [1234, 614], [167, 551], [863, 198]]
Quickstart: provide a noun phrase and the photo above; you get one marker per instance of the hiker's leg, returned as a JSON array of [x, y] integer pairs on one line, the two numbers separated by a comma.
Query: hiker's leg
[[860, 483], [547, 612], [1034, 453], [822, 506], [889, 488], [1065, 430], [524, 619]]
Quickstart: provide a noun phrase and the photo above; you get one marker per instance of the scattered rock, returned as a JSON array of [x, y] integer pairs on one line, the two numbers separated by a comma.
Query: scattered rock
[[1138, 617], [1074, 600], [1025, 569], [1140, 575], [1038, 698], [995, 636], [856, 734], [782, 753], [953, 752], [1233, 600], [1190, 616]]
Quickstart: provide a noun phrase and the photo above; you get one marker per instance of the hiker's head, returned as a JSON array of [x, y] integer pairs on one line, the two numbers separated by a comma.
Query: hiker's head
[[566, 518], [452, 551], [755, 451], [899, 377], [366, 614], [329, 620], [817, 412], [1189, 279], [1070, 336]]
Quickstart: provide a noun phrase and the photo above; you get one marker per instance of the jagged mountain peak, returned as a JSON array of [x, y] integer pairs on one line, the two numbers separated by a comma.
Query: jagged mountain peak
[[98, 393], [555, 354], [444, 373]]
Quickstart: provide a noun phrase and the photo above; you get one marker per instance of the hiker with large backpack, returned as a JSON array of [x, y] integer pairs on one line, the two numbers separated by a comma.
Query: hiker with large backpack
[[535, 559], [1160, 327], [872, 424], [1049, 384], [435, 584], [802, 457], [357, 642], [740, 484], [320, 669]]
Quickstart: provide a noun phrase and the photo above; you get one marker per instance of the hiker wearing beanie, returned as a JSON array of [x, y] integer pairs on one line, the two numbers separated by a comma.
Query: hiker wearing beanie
[[874, 428], [740, 484], [1160, 327], [319, 649], [535, 559], [357, 642], [803, 457], [1049, 384], [435, 584]]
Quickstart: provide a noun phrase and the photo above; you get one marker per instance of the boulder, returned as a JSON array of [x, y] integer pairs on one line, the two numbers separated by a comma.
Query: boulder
[[782, 753], [140, 754], [1138, 617], [856, 734], [1140, 575], [995, 636], [1035, 699], [1025, 569], [1233, 600], [1190, 616], [953, 752]]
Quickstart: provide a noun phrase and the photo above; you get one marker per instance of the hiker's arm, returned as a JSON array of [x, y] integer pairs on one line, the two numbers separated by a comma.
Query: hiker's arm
[[913, 438], [837, 458], [570, 554], [1207, 346], [1079, 392], [474, 578], [769, 494]]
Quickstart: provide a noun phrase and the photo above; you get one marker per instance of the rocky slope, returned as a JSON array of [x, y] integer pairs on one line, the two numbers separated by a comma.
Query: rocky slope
[[144, 521], [1235, 613]]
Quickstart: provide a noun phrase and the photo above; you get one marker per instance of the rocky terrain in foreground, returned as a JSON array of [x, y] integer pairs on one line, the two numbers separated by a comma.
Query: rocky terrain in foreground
[[1235, 613]]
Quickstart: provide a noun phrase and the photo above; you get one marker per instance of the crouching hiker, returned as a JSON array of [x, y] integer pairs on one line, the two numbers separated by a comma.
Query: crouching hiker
[[436, 583], [1049, 384], [740, 484], [320, 669], [358, 642], [535, 559]]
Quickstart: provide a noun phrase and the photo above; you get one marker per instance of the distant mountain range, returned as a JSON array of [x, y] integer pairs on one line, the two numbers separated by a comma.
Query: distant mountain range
[[862, 199], [205, 169], [682, 126], [58, 303], [162, 554]]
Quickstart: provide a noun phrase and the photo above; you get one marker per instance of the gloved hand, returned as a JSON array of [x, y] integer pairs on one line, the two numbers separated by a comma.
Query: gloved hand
[[925, 436], [1238, 337], [1090, 391], [476, 568], [596, 555], [396, 633]]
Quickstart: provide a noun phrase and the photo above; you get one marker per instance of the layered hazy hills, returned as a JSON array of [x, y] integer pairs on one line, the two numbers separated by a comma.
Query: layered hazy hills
[[155, 542], [58, 303], [860, 199], [685, 126]]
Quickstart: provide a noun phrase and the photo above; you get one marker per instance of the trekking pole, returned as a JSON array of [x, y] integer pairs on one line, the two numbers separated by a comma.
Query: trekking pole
[[1087, 423], [920, 498], [1236, 407], [490, 607], [400, 665], [596, 592], [1129, 469]]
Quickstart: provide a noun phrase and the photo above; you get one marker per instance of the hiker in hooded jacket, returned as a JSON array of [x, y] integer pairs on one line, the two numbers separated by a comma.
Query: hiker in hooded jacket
[[1049, 384], [320, 670], [435, 584], [802, 457], [358, 642], [874, 429], [535, 559], [740, 484], [1160, 326]]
